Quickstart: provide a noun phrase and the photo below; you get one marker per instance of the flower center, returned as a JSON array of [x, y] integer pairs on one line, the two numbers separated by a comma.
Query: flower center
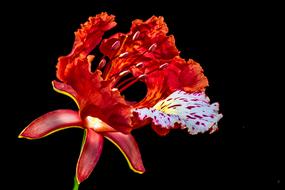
[[97, 124], [122, 83], [135, 93]]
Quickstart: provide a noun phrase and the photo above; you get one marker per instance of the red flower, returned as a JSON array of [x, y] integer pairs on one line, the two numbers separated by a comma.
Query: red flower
[[175, 90], [103, 112]]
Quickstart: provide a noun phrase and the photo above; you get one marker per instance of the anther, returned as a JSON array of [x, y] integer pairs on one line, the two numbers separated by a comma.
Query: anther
[[152, 47], [163, 66], [142, 76], [115, 45], [136, 35], [123, 54], [123, 73], [102, 63], [139, 65]]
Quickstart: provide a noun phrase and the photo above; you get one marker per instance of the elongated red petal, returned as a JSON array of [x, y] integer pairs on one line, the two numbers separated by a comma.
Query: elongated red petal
[[90, 154], [128, 146], [50, 123]]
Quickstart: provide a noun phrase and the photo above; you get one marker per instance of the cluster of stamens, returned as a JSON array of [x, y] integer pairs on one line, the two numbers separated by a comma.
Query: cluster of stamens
[[121, 83]]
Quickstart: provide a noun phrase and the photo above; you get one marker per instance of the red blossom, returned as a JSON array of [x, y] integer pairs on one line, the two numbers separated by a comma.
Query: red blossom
[[149, 55]]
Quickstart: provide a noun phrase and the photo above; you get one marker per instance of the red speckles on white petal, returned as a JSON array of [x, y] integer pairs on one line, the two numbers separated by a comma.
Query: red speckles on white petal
[[191, 111]]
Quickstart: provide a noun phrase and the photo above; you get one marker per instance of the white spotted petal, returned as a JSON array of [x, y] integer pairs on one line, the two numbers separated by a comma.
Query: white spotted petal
[[192, 111]]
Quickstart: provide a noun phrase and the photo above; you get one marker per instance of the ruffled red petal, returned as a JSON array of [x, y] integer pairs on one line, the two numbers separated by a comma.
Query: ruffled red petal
[[150, 27], [187, 76], [154, 30], [86, 39]]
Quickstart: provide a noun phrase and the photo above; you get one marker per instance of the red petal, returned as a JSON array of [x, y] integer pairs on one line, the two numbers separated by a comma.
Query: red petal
[[91, 32], [188, 77], [86, 39], [153, 31], [50, 123], [128, 146], [150, 27], [89, 155]]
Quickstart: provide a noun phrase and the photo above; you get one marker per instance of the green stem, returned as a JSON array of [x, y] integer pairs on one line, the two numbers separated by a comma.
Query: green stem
[[76, 184]]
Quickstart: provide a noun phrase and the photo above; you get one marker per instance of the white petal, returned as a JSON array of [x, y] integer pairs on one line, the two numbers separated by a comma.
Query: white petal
[[192, 111]]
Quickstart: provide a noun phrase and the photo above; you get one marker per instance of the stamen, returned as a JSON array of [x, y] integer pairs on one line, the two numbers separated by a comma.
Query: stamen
[[124, 73], [124, 82], [122, 55], [152, 47], [158, 68], [117, 55], [136, 35], [133, 63], [132, 82], [115, 45]]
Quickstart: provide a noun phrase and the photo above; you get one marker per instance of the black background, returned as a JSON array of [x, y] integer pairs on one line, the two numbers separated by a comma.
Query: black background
[[228, 40]]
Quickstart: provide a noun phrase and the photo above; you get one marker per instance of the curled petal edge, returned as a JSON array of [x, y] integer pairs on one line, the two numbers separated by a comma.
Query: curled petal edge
[[65, 89]]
